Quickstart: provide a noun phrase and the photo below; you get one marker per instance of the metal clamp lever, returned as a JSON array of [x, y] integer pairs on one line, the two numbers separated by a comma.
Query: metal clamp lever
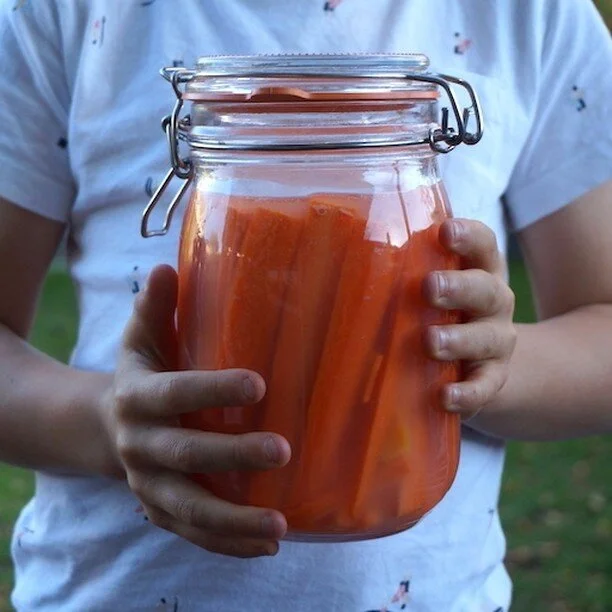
[[182, 168]]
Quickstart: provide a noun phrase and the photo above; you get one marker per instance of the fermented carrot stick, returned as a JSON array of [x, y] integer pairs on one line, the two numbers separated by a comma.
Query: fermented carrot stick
[[396, 405], [257, 291], [365, 287], [203, 322], [238, 217], [307, 307], [237, 220], [252, 299], [253, 303]]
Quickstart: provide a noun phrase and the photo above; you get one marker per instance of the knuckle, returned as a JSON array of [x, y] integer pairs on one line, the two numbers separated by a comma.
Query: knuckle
[[186, 510], [508, 299], [489, 238], [230, 524], [137, 484], [182, 453], [127, 447], [238, 452], [477, 395], [500, 380], [513, 334], [495, 297], [125, 401], [218, 388], [490, 343], [170, 389], [160, 519], [454, 341], [490, 247], [512, 338]]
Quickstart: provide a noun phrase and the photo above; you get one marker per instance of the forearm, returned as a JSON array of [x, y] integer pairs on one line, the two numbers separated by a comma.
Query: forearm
[[50, 414], [560, 383]]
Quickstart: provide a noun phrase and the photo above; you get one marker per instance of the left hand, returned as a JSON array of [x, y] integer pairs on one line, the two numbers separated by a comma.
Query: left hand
[[485, 341]]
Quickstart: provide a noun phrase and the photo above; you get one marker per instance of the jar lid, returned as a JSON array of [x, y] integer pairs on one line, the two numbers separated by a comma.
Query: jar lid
[[274, 78], [350, 64]]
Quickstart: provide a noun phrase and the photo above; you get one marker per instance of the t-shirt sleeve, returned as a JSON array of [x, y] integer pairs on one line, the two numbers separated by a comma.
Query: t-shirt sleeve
[[34, 108], [569, 149]]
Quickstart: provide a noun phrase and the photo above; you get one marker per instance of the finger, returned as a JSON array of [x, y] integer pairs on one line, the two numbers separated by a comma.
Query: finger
[[475, 243], [192, 505], [167, 394], [149, 340], [475, 292], [476, 341], [244, 548], [194, 452], [470, 396]]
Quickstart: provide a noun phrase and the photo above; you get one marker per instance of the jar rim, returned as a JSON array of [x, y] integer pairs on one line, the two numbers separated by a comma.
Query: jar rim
[[308, 77], [323, 65]]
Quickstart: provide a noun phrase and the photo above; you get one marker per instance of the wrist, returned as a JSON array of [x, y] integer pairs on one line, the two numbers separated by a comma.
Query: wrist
[[98, 451]]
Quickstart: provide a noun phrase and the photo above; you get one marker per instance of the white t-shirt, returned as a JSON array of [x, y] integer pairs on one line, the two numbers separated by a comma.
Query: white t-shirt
[[80, 104]]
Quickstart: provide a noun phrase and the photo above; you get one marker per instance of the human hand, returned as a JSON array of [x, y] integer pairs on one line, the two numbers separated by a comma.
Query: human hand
[[142, 411], [485, 341]]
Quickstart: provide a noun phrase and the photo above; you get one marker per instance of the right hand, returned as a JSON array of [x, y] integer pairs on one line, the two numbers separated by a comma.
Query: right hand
[[141, 415]]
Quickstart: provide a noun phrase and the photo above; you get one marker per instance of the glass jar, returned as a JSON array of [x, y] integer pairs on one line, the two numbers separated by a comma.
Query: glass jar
[[312, 222]]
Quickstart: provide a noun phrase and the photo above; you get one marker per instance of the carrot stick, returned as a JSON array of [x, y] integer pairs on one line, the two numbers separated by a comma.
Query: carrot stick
[[392, 457], [365, 287], [250, 302], [307, 307], [204, 325], [257, 290]]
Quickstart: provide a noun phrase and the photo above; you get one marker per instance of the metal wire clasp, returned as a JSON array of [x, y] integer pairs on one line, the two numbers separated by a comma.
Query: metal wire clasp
[[182, 168], [445, 138], [442, 139]]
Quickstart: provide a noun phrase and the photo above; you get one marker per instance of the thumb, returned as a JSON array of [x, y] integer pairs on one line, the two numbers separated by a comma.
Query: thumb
[[149, 340]]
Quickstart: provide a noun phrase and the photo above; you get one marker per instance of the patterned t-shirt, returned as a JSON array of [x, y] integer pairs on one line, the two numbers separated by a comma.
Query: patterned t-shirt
[[80, 103]]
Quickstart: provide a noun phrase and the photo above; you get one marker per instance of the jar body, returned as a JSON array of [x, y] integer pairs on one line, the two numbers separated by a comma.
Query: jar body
[[308, 269]]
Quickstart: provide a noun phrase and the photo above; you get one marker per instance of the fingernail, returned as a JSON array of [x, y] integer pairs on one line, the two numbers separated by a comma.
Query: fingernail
[[457, 231], [249, 389], [452, 399], [273, 452], [441, 285], [440, 341], [269, 527]]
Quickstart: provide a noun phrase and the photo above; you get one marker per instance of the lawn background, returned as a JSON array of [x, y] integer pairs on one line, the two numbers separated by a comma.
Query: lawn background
[[555, 501]]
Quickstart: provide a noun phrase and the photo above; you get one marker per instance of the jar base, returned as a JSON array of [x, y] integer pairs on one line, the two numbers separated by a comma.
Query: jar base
[[339, 538]]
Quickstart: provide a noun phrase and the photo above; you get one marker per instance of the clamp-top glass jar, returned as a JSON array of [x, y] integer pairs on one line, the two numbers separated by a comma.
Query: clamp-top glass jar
[[311, 225]]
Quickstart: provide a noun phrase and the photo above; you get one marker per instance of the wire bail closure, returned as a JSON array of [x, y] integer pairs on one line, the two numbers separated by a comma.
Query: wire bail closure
[[442, 139]]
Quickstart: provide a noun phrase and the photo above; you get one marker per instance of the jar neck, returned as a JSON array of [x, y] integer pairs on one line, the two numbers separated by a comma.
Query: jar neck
[[314, 125]]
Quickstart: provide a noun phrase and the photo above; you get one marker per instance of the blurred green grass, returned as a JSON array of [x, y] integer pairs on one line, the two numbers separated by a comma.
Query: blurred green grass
[[555, 500]]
